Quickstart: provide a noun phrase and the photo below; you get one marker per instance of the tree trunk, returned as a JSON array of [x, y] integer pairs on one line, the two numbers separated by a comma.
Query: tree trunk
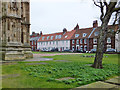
[[101, 41]]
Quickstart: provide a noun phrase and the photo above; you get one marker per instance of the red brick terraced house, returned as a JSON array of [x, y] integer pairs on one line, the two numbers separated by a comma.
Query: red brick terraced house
[[86, 39], [77, 39], [34, 39]]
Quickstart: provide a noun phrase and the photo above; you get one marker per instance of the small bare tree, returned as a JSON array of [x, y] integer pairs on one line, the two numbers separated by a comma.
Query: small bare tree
[[107, 9]]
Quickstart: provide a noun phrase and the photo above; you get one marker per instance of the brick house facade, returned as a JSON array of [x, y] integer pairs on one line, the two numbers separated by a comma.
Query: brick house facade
[[34, 40], [88, 37], [77, 39]]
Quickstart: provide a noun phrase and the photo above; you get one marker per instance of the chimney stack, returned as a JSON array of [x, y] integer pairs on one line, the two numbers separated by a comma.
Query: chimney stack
[[33, 33], [77, 27], [40, 33], [95, 24], [64, 30]]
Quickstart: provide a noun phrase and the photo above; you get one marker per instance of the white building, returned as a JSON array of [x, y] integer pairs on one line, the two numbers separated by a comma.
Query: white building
[[59, 40]]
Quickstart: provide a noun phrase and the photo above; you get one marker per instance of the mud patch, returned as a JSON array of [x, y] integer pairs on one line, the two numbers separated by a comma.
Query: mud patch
[[65, 78]]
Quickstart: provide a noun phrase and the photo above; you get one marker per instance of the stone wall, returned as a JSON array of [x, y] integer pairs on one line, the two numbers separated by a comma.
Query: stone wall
[[15, 31]]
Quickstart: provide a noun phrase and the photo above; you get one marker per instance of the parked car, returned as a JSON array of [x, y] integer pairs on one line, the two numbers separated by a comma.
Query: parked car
[[92, 50], [110, 50], [68, 50], [54, 50], [80, 51], [44, 50]]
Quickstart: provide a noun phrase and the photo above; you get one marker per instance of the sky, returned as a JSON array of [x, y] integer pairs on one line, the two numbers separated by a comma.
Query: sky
[[50, 16]]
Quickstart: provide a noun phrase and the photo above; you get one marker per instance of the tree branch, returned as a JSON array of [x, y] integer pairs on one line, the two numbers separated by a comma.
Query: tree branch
[[116, 18], [96, 4], [116, 9], [105, 3], [102, 11]]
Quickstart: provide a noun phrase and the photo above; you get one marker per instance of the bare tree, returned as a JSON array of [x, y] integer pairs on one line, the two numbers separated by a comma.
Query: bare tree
[[107, 9]]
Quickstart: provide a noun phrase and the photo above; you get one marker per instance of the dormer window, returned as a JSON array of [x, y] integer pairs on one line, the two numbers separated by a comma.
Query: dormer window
[[48, 37], [76, 35], [96, 33], [56, 36], [60, 36], [43, 38], [84, 34], [51, 37], [66, 36]]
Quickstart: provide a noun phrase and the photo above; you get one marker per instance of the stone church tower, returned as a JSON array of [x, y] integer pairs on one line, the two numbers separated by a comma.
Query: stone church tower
[[15, 29]]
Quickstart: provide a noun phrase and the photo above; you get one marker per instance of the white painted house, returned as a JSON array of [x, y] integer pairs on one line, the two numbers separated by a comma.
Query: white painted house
[[59, 40]]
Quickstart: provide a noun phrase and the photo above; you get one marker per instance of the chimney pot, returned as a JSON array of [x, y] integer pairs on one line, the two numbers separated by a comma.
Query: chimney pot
[[95, 24]]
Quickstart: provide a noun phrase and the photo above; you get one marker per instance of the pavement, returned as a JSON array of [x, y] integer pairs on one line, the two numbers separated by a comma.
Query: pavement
[[110, 84]]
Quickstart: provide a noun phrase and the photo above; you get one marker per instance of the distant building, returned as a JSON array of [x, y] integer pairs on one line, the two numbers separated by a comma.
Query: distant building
[[77, 39], [15, 30], [59, 40], [34, 39]]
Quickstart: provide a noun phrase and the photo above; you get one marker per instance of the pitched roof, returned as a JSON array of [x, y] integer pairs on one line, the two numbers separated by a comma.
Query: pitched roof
[[114, 28], [86, 31], [61, 36]]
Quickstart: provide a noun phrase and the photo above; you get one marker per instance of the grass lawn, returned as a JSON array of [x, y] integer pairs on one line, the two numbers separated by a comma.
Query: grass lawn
[[44, 76]]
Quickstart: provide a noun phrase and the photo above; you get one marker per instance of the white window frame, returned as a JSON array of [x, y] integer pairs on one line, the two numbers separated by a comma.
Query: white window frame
[[48, 37], [51, 37], [73, 41], [84, 34], [43, 38], [81, 41], [94, 46], [76, 35], [73, 48], [85, 41], [77, 41], [95, 40], [96, 33], [108, 40], [85, 48], [108, 46]]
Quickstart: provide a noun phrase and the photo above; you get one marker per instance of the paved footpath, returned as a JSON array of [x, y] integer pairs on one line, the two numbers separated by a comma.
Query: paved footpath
[[40, 55], [111, 84]]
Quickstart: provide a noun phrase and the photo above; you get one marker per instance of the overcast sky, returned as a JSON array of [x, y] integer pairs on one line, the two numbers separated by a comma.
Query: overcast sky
[[54, 15]]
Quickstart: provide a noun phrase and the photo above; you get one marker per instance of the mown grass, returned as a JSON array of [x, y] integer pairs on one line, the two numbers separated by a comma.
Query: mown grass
[[44, 76]]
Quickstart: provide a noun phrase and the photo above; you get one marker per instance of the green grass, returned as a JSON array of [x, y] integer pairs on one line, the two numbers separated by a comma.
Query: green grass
[[43, 76]]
